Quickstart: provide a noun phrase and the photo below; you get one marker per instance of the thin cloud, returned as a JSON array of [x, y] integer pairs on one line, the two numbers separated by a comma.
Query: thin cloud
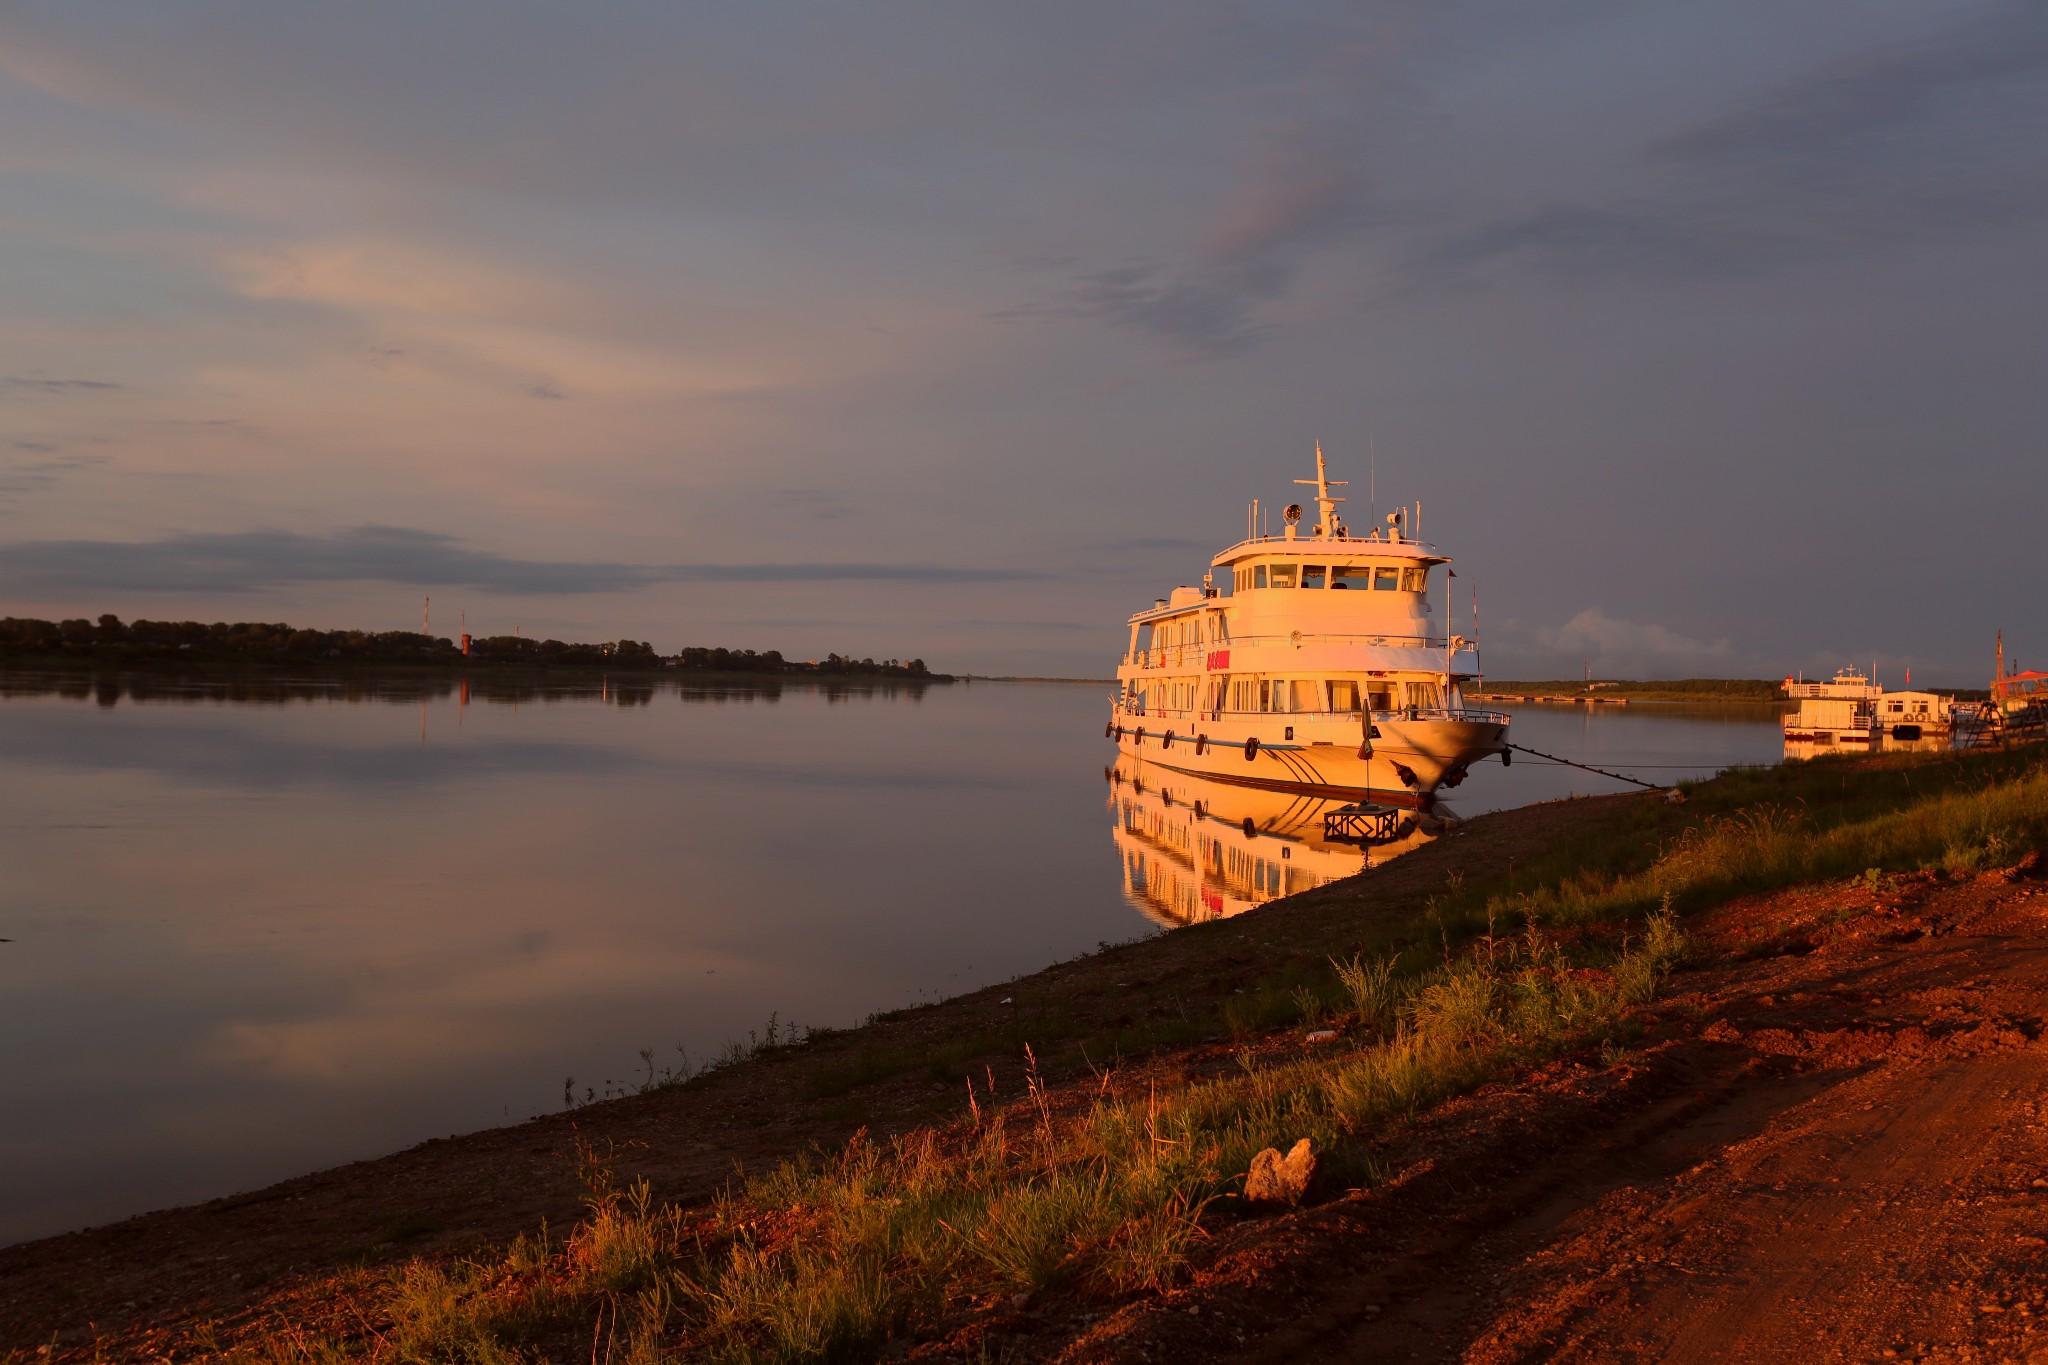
[[250, 561], [1641, 239], [1910, 140], [39, 475], [28, 383], [1631, 648], [1301, 191], [1844, 111]]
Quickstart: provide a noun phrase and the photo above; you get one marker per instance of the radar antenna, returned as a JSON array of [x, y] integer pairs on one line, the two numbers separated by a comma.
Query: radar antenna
[[1326, 506]]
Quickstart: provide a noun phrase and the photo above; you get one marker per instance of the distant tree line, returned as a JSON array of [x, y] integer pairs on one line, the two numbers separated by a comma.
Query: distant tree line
[[108, 639], [1687, 689]]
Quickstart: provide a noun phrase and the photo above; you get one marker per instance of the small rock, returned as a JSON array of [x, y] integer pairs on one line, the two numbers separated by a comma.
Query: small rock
[[1322, 1035], [1275, 1179]]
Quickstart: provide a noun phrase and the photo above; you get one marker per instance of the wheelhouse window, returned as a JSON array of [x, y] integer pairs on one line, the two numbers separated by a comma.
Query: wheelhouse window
[[1386, 579], [1421, 695], [1283, 575], [1414, 580], [1379, 696], [1343, 694], [1259, 576], [1351, 576], [1314, 575]]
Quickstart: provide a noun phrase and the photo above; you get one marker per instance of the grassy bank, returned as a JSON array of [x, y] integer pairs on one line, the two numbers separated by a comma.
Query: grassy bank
[[1112, 1148]]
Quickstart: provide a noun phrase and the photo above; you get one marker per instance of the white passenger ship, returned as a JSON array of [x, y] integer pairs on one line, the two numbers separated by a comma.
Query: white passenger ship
[[1319, 665]]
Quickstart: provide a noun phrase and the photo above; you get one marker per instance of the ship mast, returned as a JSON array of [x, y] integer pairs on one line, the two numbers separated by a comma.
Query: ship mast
[[1326, 506]]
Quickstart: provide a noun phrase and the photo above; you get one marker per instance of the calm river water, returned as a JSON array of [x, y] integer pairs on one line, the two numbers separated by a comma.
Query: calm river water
[[247, 931]]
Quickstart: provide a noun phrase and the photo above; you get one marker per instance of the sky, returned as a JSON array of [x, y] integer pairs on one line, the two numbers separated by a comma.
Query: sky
[[1713, 339]]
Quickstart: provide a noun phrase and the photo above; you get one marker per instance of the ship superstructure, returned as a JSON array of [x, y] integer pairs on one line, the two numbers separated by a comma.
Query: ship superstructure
[[1315, 660]]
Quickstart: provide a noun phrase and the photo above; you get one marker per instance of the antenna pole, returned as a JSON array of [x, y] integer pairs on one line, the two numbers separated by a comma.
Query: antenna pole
[[1326, 506], [1477, 667]]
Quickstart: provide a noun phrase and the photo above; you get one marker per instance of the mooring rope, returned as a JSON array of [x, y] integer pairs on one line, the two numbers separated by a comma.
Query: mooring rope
[[1619, 777]]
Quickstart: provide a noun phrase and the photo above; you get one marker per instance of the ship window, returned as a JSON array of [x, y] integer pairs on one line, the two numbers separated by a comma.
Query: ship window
[[1386, 580], [1312, 575], [1380, 696], [1421, 694], [1259, 576], [1343, 694], [1307, 695], [1414, 580], [1283, 575], [1351, 576]]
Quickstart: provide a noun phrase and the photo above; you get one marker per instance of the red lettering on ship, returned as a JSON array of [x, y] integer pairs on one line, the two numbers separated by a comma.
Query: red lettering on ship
[[1218, 658]]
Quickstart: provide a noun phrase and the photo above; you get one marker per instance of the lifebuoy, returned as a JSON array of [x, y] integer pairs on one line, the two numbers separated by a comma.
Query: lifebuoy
[[1251, 831], [1201, 743], [1251, 748]]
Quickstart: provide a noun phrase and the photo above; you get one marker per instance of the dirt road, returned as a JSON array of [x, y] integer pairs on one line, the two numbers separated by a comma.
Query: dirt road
[[1833, 1148]]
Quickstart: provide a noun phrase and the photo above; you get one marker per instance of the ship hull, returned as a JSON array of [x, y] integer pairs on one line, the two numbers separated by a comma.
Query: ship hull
[[1410, 763]]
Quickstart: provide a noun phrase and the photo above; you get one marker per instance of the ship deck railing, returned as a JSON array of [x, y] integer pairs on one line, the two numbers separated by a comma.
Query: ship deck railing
[[1171, 655]]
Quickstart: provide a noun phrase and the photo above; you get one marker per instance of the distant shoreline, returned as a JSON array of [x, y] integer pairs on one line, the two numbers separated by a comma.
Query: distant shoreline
[[452, 672]]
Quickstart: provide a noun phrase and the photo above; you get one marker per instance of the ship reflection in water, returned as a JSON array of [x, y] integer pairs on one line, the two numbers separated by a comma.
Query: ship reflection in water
[[1882, 743], [1195, 850]]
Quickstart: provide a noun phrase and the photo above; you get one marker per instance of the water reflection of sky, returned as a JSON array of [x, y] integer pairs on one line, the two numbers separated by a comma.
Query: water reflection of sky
[[250, 939], [1657, 743], [259, 933]]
